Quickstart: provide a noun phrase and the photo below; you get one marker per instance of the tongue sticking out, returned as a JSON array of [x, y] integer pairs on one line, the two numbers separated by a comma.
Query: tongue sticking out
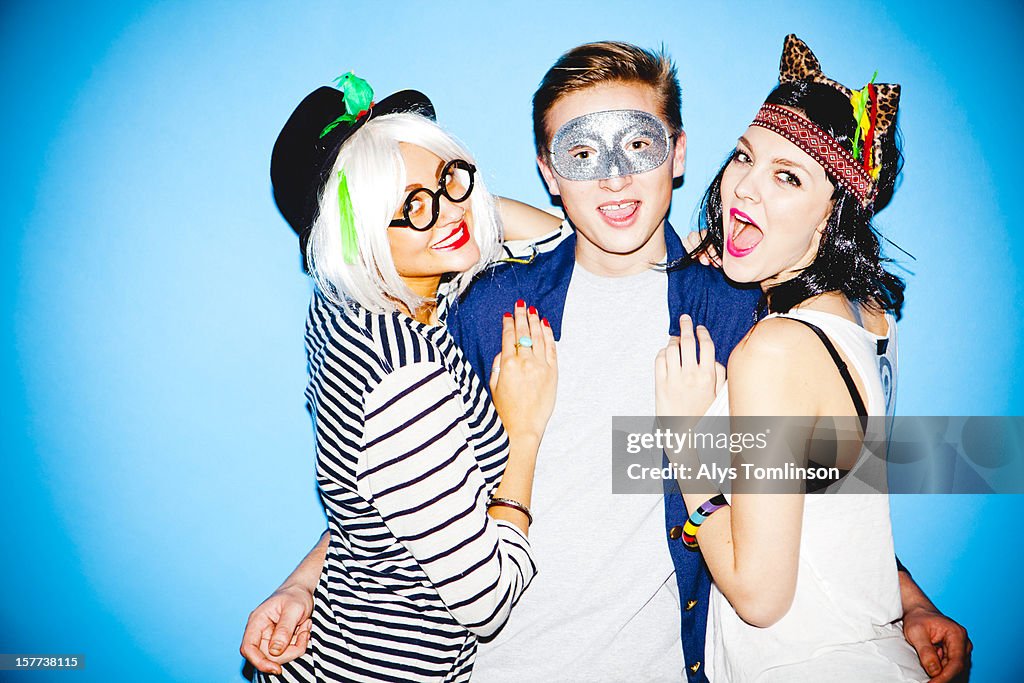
[[747, 238], [618, 212]]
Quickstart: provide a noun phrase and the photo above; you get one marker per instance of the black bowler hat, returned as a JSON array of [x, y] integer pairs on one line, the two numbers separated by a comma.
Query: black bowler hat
[[309, 142]]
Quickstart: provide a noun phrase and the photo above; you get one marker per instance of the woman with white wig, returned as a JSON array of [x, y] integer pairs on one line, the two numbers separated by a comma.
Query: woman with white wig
[[426, 490]]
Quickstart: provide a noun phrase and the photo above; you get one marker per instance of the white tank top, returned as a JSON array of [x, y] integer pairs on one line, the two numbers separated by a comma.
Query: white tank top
[[843, 624]]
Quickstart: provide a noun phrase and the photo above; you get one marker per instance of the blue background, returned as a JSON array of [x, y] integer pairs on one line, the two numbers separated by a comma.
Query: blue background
[[158, 474]]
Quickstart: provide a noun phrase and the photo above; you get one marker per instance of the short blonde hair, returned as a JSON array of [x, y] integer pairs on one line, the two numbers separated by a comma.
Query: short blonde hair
[[376, 178]]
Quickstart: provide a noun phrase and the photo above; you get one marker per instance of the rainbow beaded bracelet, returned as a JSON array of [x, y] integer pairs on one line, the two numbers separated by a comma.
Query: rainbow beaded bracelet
[[706, 509]]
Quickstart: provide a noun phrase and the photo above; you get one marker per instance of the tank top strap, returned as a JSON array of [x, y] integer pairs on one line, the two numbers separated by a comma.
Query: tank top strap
[[844, 371], [870, 357]]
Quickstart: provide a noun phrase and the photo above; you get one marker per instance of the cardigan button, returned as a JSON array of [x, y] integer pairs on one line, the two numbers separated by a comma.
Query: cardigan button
[[675, 533], [690, 604]]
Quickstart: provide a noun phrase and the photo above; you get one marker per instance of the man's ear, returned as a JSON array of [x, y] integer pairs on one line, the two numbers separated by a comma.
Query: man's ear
[[679, 155], [549, 176]]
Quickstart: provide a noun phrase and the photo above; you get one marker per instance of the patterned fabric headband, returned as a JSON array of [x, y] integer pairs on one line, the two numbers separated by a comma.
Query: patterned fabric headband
[[824, 148], [873, 108]]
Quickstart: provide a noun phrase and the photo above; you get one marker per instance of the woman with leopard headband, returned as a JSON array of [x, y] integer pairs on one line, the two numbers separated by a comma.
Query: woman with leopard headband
[[806, 586]]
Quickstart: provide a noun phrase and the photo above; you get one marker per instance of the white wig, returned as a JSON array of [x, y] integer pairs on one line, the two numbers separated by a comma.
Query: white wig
[[376, 178]]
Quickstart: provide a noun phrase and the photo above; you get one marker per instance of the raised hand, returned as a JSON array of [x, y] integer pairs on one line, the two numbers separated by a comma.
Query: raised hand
[[686, 376], [524, 375]]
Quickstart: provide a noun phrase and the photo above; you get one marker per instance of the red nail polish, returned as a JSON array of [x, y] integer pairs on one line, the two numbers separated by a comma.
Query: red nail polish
[[546, 323], [533, 310], [520, 303], [508, 315]]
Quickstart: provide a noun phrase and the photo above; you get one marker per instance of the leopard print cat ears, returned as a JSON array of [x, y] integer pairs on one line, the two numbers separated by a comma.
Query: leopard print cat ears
[[873, 108]]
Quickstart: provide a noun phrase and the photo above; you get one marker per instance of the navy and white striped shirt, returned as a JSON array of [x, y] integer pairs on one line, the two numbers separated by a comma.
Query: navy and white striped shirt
[[408, 448]]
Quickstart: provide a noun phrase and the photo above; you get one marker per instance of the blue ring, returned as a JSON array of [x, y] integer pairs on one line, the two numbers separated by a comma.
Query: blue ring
[[525, 342]]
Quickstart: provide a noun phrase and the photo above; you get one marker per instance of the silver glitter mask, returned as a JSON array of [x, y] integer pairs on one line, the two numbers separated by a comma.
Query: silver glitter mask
[[609, 144]]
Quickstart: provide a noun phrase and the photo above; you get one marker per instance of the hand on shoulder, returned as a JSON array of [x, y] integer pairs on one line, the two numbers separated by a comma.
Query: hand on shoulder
[[686, 376]]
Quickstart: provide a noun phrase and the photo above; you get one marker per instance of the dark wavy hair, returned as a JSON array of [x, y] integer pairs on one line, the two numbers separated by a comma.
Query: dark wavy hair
[[849, 258]]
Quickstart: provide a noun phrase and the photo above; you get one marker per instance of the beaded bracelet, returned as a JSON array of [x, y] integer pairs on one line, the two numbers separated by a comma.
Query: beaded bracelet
[[697, 518], [514, 504]]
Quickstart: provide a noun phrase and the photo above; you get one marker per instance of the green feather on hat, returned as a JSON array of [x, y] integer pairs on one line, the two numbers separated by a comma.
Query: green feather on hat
[[358, 98]]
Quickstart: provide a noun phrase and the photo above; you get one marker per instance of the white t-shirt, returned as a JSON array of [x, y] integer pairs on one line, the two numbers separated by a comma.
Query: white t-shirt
[[604, 605]]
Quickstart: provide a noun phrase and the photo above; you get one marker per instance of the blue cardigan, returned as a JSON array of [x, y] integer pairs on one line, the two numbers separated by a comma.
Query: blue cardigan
[[726, 311]]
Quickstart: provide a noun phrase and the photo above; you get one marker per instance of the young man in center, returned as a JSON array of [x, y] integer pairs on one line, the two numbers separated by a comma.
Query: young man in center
[[606, 604], [610, 604]]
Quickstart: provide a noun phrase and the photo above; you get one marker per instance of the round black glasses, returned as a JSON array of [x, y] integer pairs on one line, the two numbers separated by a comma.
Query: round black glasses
[[423, 206]]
